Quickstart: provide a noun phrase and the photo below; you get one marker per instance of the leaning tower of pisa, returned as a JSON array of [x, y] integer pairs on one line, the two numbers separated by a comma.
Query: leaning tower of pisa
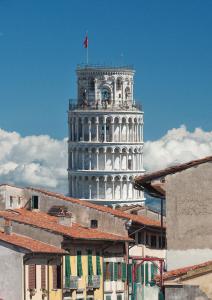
[[105, 147]]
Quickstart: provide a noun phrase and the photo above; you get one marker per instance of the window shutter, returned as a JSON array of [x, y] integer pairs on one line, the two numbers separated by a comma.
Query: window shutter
[[111, 270], [129, 273], [138, 274], [124, 272], [54, 274], [32, 276], [90, 265], [146, 274], [142, 273], [98, 264], [67, 271], [79, 264], [115, 271], [43, 277]]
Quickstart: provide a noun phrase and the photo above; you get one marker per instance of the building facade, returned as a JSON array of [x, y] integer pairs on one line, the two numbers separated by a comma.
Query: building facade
[[105, 147]]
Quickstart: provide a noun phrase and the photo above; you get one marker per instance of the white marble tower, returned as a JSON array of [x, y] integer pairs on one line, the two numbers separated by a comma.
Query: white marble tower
[[105, 146]]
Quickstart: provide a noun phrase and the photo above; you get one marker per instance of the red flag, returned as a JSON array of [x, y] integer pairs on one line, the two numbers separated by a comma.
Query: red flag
[[85, 43]]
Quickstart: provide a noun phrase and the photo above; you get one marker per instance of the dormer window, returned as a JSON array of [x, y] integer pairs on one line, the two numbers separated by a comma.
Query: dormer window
[[35, 200], [94, 224]]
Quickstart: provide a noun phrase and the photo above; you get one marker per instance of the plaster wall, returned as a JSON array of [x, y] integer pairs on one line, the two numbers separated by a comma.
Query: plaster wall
[[189, 216], [11, 275], [11, 197], [82, 214]]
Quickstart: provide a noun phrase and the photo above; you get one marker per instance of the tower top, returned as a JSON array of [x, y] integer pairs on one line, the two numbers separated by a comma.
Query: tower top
[[101, 86]]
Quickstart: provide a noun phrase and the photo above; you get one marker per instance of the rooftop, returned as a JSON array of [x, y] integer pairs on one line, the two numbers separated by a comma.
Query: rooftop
[[143, 220], [190, 270], [29, 244], [92, 67], [144, 182], [51, 223]]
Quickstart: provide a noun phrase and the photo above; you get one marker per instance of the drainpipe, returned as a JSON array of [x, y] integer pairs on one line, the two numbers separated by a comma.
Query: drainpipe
[[127, 262]]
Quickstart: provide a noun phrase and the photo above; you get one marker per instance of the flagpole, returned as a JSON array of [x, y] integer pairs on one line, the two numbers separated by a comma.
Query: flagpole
[[87, 48]]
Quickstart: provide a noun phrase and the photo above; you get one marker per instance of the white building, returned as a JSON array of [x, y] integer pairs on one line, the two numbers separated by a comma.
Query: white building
[[105, 137]]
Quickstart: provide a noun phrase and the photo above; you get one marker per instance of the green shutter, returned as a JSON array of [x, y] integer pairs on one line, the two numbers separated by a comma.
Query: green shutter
[[111, 271], [142, 273], [146, 274], [90, 265], [124, 272], [79, 263], [161, 296], [67, 271], [98, 264], [115, 271], [129, 273]]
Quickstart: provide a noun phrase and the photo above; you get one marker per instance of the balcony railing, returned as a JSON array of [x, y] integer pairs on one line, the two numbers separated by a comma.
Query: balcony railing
[[93, 281], [73, 105], [73, 285]]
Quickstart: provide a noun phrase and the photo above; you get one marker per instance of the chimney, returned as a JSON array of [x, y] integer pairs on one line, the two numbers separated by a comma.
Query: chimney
[[65, 218], [7, 227]]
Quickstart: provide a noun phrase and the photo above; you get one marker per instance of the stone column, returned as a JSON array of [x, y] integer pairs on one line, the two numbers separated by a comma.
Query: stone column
[[97, 188], [77, 128], [89, 129], [112, 127], [112, 153], [97, 129], [114, 91], [105, 157], [120, 139], [105, 185], [121, 188], [105, 132], [83, 159], [89, 185], [97, 159], [83, 129], [89, 151], [72, 129], [113, 189]]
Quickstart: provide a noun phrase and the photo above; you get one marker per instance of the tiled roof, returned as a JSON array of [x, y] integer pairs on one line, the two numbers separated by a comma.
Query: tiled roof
[[143, 220], [51, 223], [29, 244], [171, 170], [183, 271]]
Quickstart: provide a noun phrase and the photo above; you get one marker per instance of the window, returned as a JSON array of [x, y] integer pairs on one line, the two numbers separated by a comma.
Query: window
[[19, 200], [11, 201], [129, 163], [43, 276], [119, 297], [108, 297], [94, 223], [56, 277], [141, 237], [163, 242], [34, 202], [153, 241], [108, 271], [90, 264]]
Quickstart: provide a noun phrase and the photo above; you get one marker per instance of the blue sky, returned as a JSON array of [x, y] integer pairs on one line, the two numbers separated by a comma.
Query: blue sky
[[168, 42]]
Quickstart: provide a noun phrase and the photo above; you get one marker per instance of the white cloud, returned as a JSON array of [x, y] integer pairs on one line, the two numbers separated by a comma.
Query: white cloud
[[177, 146], [42, 161], [33, 160]]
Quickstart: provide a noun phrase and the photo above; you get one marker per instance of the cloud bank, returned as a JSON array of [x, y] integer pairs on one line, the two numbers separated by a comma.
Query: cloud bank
[[42, 161], [177, 146]]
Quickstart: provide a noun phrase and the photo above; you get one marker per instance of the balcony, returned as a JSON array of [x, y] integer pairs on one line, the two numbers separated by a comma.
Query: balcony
[[93, 282], [73, 283]]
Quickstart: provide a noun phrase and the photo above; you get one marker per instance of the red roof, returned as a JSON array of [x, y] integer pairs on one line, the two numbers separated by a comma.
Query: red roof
[[51, 223], [171, 170], [29, 244], [121, 214], [182, 271]]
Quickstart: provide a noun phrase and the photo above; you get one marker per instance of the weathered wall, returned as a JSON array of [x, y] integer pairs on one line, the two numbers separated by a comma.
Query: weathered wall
[[189, 216], [82, 214], [11, 273], [184, 292]]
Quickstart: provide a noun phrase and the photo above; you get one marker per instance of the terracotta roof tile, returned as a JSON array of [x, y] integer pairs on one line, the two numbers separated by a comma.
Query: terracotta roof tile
[[29, 244], [51, 223], [182, 271], [118, 213], [171, 170]]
